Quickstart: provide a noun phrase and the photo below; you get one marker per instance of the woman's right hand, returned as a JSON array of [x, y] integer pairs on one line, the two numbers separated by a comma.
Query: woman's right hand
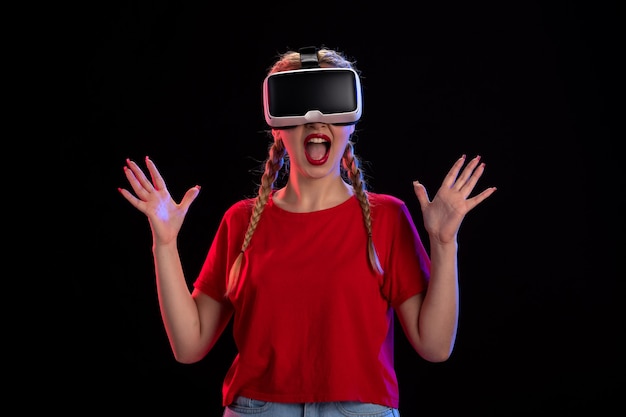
[[154, 200]]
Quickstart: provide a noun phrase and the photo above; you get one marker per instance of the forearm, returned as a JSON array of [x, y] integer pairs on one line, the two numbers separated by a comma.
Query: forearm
[[438, 318], [178, 309]]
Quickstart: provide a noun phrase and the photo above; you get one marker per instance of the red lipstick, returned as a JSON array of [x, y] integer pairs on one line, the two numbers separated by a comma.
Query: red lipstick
[[317, 148]]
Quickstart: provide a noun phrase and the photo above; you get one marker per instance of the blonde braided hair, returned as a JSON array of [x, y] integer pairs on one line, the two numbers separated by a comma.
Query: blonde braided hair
[[352, 167], [273, 165]]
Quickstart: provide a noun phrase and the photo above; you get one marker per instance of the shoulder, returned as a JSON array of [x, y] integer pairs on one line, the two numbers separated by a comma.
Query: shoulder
[[385, 202], [388, 209], [240, 210]]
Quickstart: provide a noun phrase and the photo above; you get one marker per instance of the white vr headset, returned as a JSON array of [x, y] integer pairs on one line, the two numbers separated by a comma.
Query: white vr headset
[[312, 94]]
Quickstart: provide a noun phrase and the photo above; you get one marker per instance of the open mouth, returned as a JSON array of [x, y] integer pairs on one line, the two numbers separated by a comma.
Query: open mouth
[[316, 149]]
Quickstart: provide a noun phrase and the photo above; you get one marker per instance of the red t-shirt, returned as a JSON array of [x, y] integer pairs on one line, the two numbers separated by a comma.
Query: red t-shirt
[[312, 322]]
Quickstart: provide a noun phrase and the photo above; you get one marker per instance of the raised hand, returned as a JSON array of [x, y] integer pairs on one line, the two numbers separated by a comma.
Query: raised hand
[[153, 199], [444, 214]]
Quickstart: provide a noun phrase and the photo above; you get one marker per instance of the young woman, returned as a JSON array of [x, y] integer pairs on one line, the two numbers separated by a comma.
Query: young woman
[[312, 273]]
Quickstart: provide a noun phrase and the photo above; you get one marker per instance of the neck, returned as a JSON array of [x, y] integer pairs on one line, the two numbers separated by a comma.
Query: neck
[[315, 195]]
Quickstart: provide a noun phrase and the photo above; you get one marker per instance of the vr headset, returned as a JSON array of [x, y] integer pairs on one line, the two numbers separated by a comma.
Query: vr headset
[[312, 94]]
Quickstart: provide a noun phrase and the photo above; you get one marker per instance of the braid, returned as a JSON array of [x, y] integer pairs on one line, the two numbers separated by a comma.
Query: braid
[[355, 175], [273, 165]]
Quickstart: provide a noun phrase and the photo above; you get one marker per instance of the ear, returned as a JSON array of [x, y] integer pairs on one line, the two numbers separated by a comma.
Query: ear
[[276, 134]]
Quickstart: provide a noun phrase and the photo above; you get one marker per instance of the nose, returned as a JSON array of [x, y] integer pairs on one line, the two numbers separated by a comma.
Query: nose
[[315, 125]]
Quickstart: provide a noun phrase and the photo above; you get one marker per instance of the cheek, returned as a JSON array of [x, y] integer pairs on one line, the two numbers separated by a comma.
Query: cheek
[[343, 133], [290, 137], [343, 130]]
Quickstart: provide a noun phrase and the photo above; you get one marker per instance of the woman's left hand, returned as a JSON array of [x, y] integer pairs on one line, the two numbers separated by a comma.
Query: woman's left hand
[[444, 214]]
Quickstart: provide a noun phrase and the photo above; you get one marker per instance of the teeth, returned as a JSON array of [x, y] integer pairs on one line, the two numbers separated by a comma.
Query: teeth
[[317, 140]]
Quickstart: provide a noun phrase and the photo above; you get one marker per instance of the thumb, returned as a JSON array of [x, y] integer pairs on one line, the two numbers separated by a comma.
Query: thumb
[[421, 193], [190, 196]]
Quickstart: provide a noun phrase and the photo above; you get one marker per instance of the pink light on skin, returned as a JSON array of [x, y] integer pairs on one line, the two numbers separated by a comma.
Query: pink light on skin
[[314, 142]]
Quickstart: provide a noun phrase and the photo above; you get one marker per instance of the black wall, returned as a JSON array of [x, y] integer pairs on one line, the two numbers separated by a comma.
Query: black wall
[[531, 87]]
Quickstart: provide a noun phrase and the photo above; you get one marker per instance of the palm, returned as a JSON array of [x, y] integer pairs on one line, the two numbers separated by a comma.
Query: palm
[[153, 199], [444, 214]]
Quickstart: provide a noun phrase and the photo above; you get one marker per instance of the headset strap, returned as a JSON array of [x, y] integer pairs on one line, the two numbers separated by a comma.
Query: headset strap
[[308, 57]]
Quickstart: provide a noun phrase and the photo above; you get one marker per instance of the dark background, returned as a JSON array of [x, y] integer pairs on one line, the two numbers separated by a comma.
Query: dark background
[[533, 87]]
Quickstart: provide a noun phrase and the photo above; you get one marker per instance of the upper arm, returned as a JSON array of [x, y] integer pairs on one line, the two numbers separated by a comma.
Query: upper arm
[[408, 316], [213, 315]]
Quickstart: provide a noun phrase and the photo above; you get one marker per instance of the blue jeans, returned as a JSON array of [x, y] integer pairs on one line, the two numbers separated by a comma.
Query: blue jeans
[[243, 406]]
